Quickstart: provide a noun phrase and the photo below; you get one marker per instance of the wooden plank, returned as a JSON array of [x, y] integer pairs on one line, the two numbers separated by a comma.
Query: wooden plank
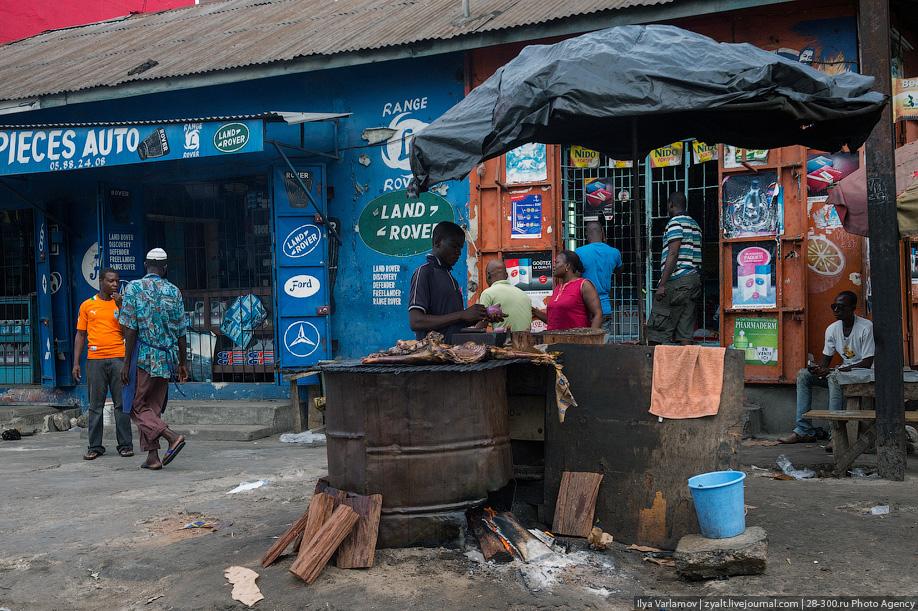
[[324, 508], [576, 503], [296, 407], [281, 544], [840, 438], [320, 509], [291, 377], [845, 460], [492, 548], [862, 414], [357, 549], [319, 549]]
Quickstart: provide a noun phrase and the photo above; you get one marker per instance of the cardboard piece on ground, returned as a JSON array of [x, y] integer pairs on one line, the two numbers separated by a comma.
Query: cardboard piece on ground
[[244, 588], [576, 503], [643, 548], [315, 554], [356, 551]]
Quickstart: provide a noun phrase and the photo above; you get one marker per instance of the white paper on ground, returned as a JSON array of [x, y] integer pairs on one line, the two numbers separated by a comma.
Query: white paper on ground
[[248, 486]]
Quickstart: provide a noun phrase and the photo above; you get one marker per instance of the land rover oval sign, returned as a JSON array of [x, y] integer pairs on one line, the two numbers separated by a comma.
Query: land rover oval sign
[[231, 137], [393, 224]]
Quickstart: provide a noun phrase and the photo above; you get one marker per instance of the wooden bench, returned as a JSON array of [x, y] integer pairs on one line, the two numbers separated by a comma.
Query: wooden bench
[[862, 394], [843, 451]]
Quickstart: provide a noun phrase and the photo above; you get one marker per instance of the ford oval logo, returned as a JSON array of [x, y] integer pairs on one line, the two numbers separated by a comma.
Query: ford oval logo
[[302, 241], [302, 286]]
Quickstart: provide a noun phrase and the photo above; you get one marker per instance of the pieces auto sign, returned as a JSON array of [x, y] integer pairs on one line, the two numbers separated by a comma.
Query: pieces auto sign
[[393, 224], [27, 151]]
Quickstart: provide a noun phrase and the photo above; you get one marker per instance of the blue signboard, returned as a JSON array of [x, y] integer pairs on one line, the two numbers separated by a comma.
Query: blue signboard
[[29, 151], [301, 279]]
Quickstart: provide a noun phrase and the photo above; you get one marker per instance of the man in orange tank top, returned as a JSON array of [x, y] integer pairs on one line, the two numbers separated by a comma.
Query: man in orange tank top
[[98, 327]]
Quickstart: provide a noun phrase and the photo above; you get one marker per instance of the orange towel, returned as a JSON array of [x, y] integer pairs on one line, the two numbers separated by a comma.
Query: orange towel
[[687, 381]]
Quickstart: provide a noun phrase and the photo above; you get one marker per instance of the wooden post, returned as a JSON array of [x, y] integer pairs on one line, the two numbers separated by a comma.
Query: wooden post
[[297, 410], [885, 271], [636, 228]]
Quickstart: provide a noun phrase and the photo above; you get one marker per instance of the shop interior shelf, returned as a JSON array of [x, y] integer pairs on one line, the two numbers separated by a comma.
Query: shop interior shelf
[[17, 374], [6, 338]]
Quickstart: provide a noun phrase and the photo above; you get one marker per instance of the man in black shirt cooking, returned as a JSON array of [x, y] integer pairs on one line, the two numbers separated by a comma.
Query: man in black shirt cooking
[[435, 302]]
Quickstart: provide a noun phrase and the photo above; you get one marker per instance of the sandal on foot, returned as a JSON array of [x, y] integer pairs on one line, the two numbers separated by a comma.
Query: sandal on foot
[[126, 453], [171, 454], [92, 455], [143, 465]]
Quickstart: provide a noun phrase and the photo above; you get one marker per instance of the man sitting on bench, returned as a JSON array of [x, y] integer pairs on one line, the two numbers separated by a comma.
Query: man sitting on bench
[[850, 336]]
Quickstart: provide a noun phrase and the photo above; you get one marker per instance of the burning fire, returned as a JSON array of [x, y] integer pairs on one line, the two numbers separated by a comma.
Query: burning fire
[[490, 513]]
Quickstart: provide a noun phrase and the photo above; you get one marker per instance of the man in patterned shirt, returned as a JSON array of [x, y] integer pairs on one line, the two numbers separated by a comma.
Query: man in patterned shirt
[[673, 311], [154, 328]]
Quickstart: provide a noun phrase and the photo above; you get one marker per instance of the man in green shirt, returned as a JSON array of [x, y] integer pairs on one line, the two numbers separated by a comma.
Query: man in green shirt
[[512, 301]]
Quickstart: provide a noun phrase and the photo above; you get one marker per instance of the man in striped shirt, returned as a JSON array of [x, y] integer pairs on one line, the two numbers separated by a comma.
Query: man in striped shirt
[[673, 313]]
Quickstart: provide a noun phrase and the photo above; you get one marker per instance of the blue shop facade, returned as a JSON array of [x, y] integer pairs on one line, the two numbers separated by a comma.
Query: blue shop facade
[[280, 203]]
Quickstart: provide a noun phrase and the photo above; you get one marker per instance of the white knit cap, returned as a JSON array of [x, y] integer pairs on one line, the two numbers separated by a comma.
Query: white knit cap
[[157, 254]]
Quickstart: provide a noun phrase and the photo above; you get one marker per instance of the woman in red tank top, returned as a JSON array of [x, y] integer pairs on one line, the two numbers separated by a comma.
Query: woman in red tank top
[[574, 302]]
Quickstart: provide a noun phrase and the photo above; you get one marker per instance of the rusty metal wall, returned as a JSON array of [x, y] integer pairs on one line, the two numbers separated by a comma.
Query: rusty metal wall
[[790, 262], [644, 496], [432, 443]]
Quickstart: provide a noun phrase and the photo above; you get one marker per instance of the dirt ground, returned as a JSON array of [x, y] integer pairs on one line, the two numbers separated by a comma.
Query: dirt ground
[[108, 535]]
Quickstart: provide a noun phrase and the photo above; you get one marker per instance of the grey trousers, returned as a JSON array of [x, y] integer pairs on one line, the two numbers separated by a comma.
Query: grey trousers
[[102, 376]]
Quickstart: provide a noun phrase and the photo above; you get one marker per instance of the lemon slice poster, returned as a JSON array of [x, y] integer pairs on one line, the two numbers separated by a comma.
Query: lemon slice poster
[[754, 275]]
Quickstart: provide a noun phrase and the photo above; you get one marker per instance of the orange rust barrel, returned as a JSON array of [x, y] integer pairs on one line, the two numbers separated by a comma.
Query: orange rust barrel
[[433, 443]]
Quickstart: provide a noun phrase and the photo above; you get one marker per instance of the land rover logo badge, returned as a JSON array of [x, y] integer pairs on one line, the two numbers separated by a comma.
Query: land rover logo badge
[[231, 137]]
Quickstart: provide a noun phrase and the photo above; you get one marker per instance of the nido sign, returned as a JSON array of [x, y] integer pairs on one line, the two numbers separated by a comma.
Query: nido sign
[[393, 224]]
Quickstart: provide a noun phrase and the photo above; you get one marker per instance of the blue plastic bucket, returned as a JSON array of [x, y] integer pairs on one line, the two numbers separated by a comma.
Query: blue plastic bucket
[[718, 498]]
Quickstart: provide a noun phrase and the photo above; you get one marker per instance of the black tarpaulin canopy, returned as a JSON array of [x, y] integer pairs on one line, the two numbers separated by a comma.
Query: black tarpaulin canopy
[[631, 89]]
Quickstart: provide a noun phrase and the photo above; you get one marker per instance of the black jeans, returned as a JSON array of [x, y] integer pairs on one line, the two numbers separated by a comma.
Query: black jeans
[[102, 376]]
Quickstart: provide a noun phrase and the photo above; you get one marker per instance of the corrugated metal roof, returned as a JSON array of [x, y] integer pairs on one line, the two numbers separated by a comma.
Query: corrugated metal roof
[[290, 118], [229, 34]]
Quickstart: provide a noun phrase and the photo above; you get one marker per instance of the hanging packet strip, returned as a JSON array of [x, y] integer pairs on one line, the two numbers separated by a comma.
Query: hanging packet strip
[[242, 318]]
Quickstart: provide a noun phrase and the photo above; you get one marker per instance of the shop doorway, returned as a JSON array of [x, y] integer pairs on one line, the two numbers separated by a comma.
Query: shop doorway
[[17, 297], [218, 237], [603, 193]]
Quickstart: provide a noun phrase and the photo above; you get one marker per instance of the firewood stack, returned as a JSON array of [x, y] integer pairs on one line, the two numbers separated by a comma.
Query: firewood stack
[[502, 538], [334, 521]]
